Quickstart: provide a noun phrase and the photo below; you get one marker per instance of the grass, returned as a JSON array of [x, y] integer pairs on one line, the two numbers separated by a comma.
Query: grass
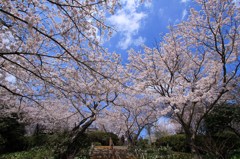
[[149, 153], [39, 153], [35, 153]]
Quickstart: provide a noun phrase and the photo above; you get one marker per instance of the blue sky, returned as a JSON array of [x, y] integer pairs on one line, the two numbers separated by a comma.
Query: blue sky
[[145, 23]]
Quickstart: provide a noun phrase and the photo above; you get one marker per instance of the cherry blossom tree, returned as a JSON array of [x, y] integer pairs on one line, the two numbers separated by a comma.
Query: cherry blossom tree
[[90, 93], [84, 93], [195, 66], [51, 53], [76, 109], [39, 38], [55, 115], [129, 117]]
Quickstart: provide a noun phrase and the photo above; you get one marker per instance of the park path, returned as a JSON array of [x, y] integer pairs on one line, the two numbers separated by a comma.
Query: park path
[[111, 152]]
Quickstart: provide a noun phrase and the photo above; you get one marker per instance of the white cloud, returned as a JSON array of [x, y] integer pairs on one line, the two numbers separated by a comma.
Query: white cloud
[[139, 41], [125, 42], [148, 4], [184, 13], [127, 22], [184, 1]]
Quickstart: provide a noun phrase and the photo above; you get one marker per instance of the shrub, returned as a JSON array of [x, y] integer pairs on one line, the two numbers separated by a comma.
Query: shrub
[[11, 135], [2, 143], [102, 137], [161, 152], [50, 140], [235, 154], [181, 155], [82, 142], [176, 142], [36, 153], [142, 143], [36, 140], [221, 144]]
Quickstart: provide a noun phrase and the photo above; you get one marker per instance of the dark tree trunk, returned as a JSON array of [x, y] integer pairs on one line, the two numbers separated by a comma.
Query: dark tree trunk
[[191, 141], [74, 144], [73, 147]]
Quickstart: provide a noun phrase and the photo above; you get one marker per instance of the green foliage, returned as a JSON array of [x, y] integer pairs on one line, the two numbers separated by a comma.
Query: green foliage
[[142, 143], [50, 140], [82, 143], [36, 153], [223, 118], [176, 142], [62, 145], [181, 155], [221, 144], [83, 154], [11, 135], [2, 143], [161, 152], [37, 140], [235, 154], [222, 129], [102, 137]]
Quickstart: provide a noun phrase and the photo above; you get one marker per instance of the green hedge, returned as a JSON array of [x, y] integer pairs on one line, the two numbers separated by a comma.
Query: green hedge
[[11, 135], [85, 140], [176, 142], [142, 143], [102, 137], [12, 139], [36, 153], [226, 144], [49, 140]]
